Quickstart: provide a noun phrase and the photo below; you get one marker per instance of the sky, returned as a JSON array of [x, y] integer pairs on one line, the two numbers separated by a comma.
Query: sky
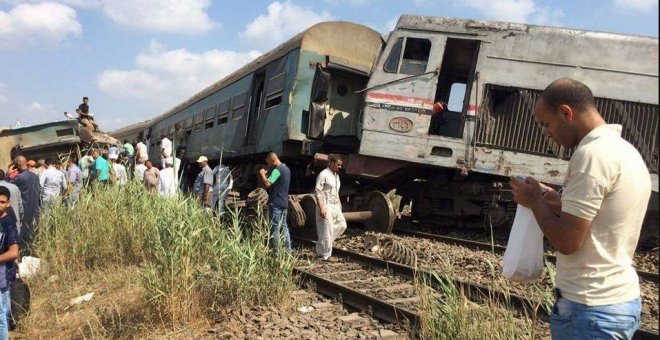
[[135, 59]]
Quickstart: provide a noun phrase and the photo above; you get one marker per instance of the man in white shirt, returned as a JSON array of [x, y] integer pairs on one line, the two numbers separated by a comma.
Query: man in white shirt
[[330, 222], [167, 183], [595, 224], [165, 150], [139, 172], [141, 155], [119, 169], [52, 183]]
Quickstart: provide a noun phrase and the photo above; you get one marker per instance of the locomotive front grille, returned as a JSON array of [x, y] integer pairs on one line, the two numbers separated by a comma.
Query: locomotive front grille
[[506, 121]]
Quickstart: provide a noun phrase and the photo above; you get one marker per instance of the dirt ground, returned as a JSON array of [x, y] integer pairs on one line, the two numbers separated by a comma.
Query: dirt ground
[[119, 310]]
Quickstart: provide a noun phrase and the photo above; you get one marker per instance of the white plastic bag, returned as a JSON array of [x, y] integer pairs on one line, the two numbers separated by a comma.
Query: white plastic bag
[[523, 258]]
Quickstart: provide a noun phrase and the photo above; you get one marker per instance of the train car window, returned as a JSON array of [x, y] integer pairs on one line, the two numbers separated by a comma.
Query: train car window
[[238, 105], [223, 112], [189, 123], [198, 121], [210, 117], [392, 63], [456, 97], [274, 91], [415, 56], [64, 132]]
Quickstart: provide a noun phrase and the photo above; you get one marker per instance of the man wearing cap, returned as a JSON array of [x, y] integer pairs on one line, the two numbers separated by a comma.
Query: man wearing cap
[[204, 182], [167, 183]]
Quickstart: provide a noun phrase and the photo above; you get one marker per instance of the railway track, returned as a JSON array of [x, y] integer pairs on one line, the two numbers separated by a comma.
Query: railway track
[[645, 275], [374, 285]]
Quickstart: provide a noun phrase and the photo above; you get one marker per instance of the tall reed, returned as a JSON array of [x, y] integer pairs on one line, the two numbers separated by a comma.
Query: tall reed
[[191, 263], [447, 313]]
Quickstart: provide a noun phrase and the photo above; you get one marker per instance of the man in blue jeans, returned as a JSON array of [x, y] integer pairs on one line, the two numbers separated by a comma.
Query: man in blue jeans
[[595, 224], [277, 182]]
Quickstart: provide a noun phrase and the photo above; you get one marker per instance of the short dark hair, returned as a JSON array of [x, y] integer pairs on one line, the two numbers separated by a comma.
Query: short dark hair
[[271, 154], [50, 161], [567, 91], [4, 191], [2, 175], [125, 141], [85, 98], [334, 158]]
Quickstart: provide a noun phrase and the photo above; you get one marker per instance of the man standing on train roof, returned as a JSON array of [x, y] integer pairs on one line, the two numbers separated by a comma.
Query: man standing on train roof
[[204, 182], [277, 182], [596, 222], [330, 222], [85, 117]]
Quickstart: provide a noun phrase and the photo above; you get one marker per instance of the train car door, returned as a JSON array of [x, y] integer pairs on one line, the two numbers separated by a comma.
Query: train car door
[[454, 86], [256, 98]]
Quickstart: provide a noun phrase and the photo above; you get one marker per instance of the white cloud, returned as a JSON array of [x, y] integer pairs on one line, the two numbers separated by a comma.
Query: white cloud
[[28, 25], [522, 11], [284, 20], [505, 10], [548, 16], [641, 5], [163, 77], [171, 16], [36, 108], [389, 26]]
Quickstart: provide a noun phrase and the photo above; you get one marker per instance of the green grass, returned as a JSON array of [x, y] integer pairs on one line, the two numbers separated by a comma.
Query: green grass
[[191, 264]]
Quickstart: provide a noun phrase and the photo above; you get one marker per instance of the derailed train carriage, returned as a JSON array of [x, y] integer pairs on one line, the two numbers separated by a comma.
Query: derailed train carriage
[[340, 87], [49, 140]]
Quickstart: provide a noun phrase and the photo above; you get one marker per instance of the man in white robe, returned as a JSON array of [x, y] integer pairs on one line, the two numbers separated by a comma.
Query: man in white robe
[[330, 222], [167, 179]]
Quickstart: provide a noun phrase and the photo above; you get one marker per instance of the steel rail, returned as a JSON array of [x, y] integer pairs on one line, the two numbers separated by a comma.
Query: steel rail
[[376, 307], [474, 291], [476, 245]]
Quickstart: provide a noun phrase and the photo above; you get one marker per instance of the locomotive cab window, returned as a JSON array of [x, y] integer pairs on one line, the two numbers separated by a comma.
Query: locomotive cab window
[[415, 56]]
